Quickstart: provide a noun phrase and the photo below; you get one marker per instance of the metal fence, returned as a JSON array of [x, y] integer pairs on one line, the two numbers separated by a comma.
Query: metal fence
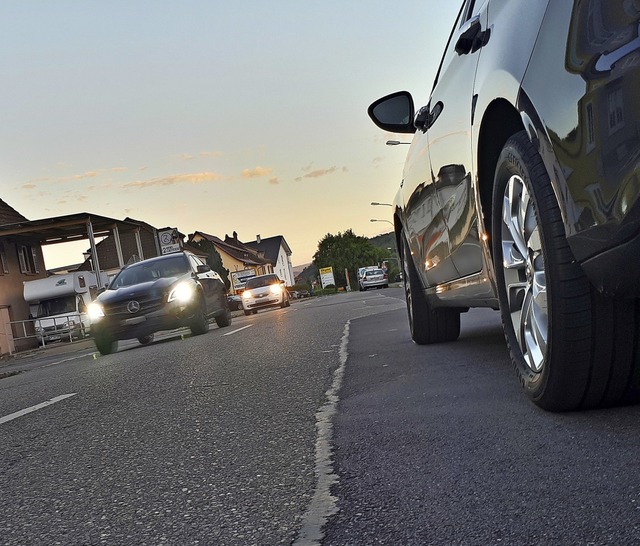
[[65, 328]]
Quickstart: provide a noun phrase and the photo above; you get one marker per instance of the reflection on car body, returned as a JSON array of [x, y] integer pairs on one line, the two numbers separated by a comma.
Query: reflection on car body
[[157, 294], [520, 192]]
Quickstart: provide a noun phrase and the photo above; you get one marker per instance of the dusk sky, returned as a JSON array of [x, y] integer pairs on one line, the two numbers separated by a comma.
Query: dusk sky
[[245, 116]]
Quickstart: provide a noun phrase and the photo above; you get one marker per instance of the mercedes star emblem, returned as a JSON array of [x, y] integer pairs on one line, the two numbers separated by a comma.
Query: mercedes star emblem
[[133, 306]]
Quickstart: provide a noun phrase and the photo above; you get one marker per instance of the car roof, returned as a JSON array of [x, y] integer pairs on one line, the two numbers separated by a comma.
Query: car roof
[[183, 253]]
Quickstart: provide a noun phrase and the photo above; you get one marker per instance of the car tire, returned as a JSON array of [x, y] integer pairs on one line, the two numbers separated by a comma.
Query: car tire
[[572, 348], [247, 313], [105, 344], [145, 340], [426, 323], [224, 319], [283, 304], [199, 324]]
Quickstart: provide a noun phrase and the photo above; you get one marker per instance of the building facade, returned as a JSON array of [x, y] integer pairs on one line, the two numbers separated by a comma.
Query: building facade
[[21, 260]]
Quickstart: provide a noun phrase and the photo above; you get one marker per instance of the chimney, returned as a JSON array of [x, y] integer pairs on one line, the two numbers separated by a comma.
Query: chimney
[[235, 236], [258, 238]]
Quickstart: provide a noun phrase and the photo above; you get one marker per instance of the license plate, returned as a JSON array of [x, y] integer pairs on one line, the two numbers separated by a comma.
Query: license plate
[[134, 320]]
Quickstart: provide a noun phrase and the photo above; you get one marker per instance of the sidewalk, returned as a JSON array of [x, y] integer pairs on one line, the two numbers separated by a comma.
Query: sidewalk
[[55, 348]]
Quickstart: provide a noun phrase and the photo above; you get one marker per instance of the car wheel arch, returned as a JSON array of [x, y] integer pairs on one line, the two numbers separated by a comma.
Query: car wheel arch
[[500, 121]]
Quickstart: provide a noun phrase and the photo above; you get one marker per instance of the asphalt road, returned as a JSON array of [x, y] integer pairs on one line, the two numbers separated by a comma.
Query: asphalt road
[[317, 424]]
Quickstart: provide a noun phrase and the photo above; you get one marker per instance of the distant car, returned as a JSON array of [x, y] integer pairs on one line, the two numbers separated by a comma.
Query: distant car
[[264, 291], [303, 294], [361, 271], [520, 192], [157, 294], [374, 278], [235, 302]]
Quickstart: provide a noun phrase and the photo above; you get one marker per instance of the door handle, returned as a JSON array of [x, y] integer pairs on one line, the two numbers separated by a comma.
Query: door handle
[[472, 38]]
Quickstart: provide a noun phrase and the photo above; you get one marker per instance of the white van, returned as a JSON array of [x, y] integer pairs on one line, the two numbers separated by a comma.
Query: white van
[[58, 304]]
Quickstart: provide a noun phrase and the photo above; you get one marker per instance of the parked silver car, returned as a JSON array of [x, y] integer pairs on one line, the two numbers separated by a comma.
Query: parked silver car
[[521, 192], [374, 278]]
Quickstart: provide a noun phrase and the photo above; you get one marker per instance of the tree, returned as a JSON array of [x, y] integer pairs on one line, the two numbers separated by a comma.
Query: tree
[[214, 260], [347, 251]]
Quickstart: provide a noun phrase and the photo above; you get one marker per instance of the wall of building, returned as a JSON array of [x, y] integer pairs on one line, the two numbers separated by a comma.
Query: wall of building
[[12, 302], [284, 268]]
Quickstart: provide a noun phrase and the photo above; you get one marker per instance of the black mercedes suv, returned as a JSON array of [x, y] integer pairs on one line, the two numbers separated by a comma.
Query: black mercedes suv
[[157, 294]]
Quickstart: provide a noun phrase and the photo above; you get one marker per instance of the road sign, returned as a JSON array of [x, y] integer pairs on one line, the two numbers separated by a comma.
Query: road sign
[[326, 276]]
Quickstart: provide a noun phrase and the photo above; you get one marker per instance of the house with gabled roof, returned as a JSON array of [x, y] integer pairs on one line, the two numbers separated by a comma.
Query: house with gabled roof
[[21, 260], [278, 253], [241, 260]]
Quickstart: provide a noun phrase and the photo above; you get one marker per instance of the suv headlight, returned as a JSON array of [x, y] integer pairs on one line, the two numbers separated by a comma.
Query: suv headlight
[[95, 311], [276, 289], [246, 294], [182, 292]]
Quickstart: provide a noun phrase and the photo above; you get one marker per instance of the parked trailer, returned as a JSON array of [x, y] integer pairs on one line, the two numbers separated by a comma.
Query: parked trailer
[[58, 304]]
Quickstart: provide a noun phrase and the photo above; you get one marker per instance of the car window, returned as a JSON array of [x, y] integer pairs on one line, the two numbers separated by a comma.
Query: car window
[[463, 16], [172, 266], [195, 262], [259, 282]]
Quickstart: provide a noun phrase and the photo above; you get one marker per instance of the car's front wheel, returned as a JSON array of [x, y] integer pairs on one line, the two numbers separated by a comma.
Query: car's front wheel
[[224, 319], [571, 347], [199, 323], [105, 343]]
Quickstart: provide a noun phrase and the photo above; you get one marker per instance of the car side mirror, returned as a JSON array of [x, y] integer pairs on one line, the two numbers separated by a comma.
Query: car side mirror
[[394, 113]]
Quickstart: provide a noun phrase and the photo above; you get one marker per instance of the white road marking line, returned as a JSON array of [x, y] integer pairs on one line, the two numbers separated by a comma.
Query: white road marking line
[[20, 413], [323, 504], [238, 330]]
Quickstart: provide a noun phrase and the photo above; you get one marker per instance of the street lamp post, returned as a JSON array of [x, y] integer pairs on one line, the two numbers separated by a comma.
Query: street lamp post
[[395, 142], [376, 220], [376, 204]]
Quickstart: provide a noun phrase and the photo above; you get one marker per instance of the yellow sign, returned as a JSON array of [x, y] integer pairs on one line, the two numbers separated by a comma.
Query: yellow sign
[[326, 277]]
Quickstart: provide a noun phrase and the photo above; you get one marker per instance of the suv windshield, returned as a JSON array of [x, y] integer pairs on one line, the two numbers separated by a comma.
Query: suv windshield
[[171, 266], [259, 282]]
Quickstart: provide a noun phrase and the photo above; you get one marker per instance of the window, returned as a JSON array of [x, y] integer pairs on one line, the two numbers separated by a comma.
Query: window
[[28, 259], [615, 103], [591, 134], [4, 264]]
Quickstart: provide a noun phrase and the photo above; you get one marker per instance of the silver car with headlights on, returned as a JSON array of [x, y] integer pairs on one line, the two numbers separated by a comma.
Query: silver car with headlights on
[[264, 291]]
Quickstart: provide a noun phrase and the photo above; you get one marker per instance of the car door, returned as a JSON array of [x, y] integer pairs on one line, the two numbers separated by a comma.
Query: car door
[[427, 209], [450, 120], [210, 285]]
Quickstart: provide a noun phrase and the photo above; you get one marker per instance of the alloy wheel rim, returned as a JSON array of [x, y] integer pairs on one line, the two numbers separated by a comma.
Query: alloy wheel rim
[[525, 279]]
